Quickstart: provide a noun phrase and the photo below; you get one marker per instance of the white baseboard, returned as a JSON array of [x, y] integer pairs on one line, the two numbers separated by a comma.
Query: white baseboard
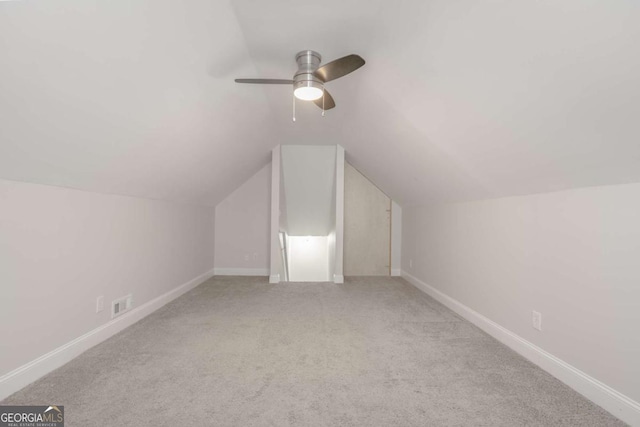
[[613, 401], [396, 272], [274, 278], [338, 278], [241, 271], [28, 373]]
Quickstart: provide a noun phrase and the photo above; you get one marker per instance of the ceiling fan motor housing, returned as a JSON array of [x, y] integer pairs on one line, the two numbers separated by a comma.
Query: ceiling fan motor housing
[[308, 62]]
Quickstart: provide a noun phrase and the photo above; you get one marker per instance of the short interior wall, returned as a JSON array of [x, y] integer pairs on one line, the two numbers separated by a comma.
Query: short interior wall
[[367, 227], [573, 256], [242, 228], [62, 248]]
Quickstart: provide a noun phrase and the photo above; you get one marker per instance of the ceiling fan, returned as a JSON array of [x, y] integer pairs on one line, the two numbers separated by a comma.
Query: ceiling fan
[[308, 82]]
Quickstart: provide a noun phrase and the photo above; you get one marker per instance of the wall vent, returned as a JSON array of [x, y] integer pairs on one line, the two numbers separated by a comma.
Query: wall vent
[[121, 306]]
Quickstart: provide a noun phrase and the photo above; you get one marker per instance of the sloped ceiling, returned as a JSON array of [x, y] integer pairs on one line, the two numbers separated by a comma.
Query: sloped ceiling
[[459, 100]]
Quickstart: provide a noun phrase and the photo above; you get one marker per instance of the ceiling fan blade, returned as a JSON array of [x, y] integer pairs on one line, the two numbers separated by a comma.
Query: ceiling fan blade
[[266, 81], [339, 67], [329, 103]]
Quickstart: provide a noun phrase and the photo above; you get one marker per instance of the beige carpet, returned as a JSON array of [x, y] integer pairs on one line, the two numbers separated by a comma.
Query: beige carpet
[[237, 351]]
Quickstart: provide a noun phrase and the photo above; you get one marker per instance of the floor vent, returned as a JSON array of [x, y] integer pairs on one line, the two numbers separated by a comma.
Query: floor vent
[[121, 305]]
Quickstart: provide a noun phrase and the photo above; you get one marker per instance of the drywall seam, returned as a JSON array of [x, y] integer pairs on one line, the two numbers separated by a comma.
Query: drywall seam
[[613, 401], [30, 372], [241, 271]]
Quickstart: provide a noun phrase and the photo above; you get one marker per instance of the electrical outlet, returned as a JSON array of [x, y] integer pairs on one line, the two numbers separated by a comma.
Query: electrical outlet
[[536, 320], [246, 257], [99, 304]]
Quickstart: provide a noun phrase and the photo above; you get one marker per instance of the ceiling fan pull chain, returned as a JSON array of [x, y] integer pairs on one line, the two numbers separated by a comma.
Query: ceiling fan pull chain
[[294, 108]]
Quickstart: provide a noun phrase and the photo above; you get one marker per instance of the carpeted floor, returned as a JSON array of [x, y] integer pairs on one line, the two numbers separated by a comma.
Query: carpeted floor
[[237, 351]]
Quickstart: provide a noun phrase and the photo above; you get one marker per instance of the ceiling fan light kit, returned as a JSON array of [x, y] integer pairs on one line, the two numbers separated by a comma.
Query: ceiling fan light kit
[[306, 86], [309, 80], [308, 90]]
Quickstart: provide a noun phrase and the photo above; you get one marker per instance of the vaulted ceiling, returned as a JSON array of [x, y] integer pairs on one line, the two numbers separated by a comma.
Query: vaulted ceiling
[[459, 100]]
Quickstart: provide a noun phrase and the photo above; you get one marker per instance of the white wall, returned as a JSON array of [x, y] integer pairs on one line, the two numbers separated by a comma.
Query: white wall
[[276, 266], [309, 259], [62, 248], [337, 268], [574, 256], [242, 227], [331, 253], [309, 173]]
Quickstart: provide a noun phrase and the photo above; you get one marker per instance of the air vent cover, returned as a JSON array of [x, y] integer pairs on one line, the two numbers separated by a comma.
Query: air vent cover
[[121, 305]]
